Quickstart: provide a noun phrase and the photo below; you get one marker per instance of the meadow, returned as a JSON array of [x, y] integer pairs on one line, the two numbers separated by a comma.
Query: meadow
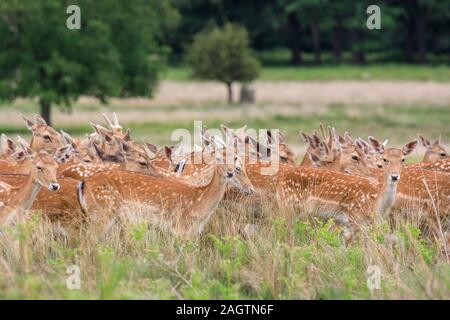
[[288, 256]]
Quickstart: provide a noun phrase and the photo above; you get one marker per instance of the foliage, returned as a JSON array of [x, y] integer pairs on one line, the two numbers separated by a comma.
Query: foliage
[[223, 54], [115, 53]]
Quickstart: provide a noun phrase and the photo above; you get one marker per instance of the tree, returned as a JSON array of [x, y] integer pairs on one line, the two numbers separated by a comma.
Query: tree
[[223, 54], [115, 53]]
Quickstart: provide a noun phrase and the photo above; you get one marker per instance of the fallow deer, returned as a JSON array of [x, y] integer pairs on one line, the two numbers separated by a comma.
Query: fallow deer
[[434, 151], [340, 195], [190, 207], [44, 137], [42, 174], [126, 158]]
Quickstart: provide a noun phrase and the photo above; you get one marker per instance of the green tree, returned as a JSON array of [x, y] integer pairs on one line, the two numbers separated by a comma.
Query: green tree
[[223, 54], [115, 53]]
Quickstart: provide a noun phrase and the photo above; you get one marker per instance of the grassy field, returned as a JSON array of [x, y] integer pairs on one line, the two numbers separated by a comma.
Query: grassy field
[[287, 258], [383, 71], [155, 123]]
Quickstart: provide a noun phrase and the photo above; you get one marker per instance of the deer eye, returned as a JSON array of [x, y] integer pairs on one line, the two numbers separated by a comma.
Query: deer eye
[[403, 160], [355, 158], [380, 166], [443, 154], [40, 169], [385, 160], [47, 137], [144, 164], [238, 169]]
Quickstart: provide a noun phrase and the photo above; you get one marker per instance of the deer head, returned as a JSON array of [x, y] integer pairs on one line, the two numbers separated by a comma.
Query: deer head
[[43, 168], [44, 137], [69, 152], [393, 158], [434, 151]]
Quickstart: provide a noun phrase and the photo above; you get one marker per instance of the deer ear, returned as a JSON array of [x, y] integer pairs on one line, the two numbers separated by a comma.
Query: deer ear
[[168, 152], [99, 151], [28, 122], [280, 137], [303, 136], [424, 141], [438, 141], [127, 136], [123, 145], [68, 139], [359, 144], [7, 143], [314, 159], [348, 138], [385, 142], [29, 153], [39, 120], [151, 147], [376, 144], [409, 147]]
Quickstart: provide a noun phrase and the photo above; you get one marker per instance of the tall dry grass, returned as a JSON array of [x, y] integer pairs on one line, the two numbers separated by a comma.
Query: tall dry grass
[[286, 257]]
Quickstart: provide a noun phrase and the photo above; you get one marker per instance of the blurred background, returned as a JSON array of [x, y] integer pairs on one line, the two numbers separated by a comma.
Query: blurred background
[[288, 64]]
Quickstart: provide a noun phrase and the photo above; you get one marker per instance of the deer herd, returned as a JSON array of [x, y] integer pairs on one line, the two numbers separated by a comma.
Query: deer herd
[[350, 180]]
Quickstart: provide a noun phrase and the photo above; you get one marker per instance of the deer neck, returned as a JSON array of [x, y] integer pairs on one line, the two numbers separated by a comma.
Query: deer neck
[[208, 198], [386, 196], [23, 196]]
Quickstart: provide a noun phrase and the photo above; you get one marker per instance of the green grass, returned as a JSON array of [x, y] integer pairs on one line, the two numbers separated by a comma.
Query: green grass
[[399, 123], [385, 71], [286, 259]]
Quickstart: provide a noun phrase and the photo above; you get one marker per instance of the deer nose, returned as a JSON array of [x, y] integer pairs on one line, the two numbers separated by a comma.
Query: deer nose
[[54, 186], [230, 174], [395, 177]]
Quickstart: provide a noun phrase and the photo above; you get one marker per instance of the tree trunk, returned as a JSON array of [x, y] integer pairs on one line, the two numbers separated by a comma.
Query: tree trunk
[[45, 111], [357, 53], [315, 32], [337, 39], [409, 51], [230, 92], [294, 39]]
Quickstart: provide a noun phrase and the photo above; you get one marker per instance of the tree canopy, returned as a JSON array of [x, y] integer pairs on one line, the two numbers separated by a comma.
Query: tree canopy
[[223, 54], [117, 52]]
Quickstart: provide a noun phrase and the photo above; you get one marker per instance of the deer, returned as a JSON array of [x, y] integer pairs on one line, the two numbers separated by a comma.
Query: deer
[[44, 137], [346, 198], [189, 207], [325, 150], [425, 190], [125, 158], [20, 198], [434, 151], [60, 206]]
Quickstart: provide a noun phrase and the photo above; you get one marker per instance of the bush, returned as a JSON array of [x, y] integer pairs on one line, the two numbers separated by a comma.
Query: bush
[[223, 54]]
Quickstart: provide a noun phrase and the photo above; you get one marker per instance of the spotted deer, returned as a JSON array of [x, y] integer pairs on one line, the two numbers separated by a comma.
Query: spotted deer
[[20, 198], [126, 158], [324, 150], [189, 208], [423, 189], [44, 137], [343, 196], [59, 206], [434, 151]]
